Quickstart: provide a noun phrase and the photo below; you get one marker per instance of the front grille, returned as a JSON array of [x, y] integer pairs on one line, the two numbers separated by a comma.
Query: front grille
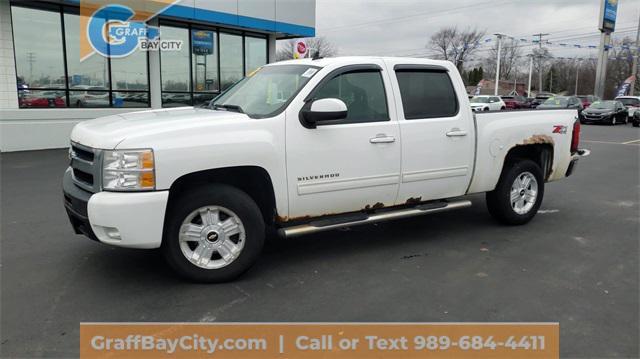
[[82, 153], [85, 165], [85, 178]]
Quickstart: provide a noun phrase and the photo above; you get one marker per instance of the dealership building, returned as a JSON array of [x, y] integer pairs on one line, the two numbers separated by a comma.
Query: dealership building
[[45, 89]]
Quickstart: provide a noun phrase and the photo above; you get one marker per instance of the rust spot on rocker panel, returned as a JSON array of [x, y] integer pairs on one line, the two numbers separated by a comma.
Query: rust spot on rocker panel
[[375, 206]]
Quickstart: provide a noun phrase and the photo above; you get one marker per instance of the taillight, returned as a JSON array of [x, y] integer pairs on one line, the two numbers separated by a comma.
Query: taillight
[[575, 139]]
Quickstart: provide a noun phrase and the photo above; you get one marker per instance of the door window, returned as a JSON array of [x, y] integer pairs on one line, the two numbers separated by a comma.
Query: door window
[[426, 94], [363, 93]]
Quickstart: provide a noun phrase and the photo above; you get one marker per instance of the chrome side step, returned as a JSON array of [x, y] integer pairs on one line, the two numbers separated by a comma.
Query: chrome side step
[[326, 225]]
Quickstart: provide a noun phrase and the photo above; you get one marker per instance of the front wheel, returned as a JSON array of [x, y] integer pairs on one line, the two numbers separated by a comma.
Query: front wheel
[[518, 195], [613, 121], [213, 234]]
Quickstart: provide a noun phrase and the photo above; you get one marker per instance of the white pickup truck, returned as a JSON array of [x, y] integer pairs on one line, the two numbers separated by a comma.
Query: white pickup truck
[[305, 146]]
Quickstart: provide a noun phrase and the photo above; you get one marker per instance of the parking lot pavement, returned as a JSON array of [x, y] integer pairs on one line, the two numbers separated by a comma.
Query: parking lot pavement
[[575, 263]]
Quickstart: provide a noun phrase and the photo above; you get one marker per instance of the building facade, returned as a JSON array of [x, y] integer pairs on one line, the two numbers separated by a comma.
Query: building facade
[[45, 89]]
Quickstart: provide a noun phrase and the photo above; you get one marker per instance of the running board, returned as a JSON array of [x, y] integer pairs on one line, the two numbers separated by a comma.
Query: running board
[[363, 218]]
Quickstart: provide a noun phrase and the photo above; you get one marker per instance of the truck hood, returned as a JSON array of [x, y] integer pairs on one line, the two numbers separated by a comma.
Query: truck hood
[[107, 132]]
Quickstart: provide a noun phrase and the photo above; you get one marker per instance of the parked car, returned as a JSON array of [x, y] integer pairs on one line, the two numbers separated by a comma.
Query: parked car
[[632, 103], [636, 119], [88, 96], [540, 98], [42, 99], [515, 102], [587, 100], [609, 112], [206, 184], [568, 102], [487, 103]]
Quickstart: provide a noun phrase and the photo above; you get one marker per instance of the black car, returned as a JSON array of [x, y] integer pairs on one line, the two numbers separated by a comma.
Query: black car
[[609, 112], [636, 119]]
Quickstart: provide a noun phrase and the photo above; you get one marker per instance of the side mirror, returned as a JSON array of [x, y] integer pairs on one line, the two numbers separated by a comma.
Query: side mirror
[[323, 110]]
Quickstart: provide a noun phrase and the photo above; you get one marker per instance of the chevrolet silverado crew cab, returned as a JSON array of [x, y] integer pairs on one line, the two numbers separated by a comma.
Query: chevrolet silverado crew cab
[[304, 146]]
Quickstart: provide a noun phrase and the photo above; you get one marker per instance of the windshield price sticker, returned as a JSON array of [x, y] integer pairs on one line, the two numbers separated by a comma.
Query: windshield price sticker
[[309, 72], [320, 340]]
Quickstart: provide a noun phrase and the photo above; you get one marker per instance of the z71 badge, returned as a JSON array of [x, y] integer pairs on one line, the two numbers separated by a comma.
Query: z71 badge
[[560, 129]]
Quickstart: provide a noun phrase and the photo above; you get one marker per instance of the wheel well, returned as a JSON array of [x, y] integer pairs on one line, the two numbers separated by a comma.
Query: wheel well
[[542, 154], [253, 180]]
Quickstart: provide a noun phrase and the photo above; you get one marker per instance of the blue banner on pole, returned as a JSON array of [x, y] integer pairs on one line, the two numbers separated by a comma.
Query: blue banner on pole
[[202, 42]]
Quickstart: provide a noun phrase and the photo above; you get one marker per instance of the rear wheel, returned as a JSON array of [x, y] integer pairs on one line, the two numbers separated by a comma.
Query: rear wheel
[[518, 195], [213, 234]]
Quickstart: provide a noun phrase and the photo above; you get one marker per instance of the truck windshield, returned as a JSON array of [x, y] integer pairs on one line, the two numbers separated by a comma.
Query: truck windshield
[[266, 91]]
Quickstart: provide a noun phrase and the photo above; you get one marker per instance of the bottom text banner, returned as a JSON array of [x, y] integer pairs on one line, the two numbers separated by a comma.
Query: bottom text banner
[[320, 340]]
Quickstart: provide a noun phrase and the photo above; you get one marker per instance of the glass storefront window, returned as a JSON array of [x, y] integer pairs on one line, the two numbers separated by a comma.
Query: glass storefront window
[[176, 99], [231, 69], [205, 61], [130, 99], [93, 71], [41, 48], [255, 53], [130, 73], [41, 98], [175, 64], [37, 36]]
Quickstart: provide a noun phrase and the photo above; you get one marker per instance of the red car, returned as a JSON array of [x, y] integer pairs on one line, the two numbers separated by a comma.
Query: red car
[[587, 100], [514, 102], [44, 100]]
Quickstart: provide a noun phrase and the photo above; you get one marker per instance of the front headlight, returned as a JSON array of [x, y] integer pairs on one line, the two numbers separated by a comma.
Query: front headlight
[[128, 170]]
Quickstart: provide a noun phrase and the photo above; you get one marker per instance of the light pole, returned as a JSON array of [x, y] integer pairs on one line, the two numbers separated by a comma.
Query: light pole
[[495, 92], [539, 36], [530, 73], [634, 69], [577, 75]]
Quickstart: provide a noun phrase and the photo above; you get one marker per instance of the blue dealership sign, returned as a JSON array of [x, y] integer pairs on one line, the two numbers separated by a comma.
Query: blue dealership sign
[[202, 42], [608, 15]]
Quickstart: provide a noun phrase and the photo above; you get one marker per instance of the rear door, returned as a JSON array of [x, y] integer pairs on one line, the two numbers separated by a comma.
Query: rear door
[[348, 164], [437, 132]]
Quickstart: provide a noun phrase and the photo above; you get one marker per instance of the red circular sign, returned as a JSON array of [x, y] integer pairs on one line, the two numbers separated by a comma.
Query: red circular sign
[[302, 48]]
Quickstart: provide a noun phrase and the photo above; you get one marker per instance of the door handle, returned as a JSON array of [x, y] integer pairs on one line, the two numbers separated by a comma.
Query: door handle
[[456, 132], [382, 139]]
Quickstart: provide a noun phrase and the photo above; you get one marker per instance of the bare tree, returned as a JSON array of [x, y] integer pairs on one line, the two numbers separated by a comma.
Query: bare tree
[[619, 65], [324, 47], [455, 45], [541, 56], [510, 59]]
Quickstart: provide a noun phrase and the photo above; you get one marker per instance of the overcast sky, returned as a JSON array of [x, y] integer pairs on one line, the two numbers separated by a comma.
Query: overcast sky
[[403, 27]]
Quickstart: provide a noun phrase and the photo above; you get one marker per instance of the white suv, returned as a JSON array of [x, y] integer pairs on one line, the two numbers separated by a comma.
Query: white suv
[[632, 103], [487, 103]]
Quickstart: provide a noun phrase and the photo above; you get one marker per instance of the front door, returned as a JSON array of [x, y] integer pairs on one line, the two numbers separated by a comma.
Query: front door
[[353, 163]]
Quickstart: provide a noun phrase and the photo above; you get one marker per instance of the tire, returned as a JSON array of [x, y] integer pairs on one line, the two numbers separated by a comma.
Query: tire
[[499, 201], [613, 121], [636, 124], [502, 108], [486, 109], [217, 254]]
